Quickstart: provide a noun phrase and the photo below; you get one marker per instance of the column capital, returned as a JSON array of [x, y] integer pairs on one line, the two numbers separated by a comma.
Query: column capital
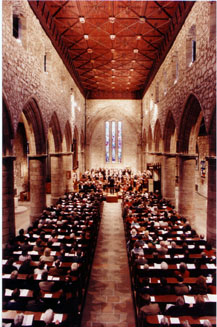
[[59, 154], [187, 155], [6, 158], [211, 158], [37, 156], [169, 155], [156, 153]]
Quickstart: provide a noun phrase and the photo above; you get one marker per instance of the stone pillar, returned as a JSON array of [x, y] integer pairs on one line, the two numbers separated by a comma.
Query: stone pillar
[[67, 168], [211, 203], [169, 177], [82, 169], [87, 157], [57, 176], [144, 160], [186, 203], [8, 216], [37, 172], [139, 157]]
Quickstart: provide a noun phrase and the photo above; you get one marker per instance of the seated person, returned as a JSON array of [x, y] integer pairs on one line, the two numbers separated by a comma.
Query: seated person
[[163, 288], [212, 287], [149, 308], [47, 257], [145, 287], [26, 267], [163, 249], [137, 250], [56, 270], [16, 303], [12, 282], [40, 269], [9, 267], [37, 303], [181, 288], [200, 286], [199, 308], [182, 270], [25, 256], [179, 309], [21, 237], [45, 285], [38, 247], [18, 319]]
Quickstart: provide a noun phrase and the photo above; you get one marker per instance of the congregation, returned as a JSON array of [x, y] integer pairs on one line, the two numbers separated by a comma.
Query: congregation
[[172, 268], [46, 269]]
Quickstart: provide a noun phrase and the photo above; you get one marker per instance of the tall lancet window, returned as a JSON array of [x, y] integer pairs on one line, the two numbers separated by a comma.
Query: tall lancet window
[[113, 141], [119, 141], [107, 157]]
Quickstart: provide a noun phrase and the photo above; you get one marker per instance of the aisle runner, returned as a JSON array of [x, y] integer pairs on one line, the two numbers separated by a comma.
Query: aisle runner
[[109, 301]]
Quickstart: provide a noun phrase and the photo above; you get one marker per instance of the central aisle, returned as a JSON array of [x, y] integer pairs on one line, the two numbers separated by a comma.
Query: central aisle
[[109, 300]]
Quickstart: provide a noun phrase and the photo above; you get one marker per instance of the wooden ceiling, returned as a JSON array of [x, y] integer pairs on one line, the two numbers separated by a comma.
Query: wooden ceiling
[[112, 49]]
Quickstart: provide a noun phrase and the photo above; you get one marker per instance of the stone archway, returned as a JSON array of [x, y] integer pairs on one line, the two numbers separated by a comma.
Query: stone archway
[[8, 219], [211, 204], [158, 142], [144, 150], [32, 121], [67, 158], [187, 139], [55, 156], [169, 159]]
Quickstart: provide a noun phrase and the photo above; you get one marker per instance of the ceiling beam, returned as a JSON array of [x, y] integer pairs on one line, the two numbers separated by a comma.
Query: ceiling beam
[[163, 9], [60, 8]]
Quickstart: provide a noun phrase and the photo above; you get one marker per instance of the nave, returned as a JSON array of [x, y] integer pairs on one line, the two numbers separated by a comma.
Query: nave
[[109, 300], [106, 298]]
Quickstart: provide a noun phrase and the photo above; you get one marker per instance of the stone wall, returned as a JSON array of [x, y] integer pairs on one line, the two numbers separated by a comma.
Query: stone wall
[[23, 71], [176, 80], [199, 78], [127, 111]]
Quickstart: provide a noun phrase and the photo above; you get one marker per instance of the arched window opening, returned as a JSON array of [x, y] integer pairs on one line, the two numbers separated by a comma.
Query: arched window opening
[[113, 141], [212, 21], [191, 47]]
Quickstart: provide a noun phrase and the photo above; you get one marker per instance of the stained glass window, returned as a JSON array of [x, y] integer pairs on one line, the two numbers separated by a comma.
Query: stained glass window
[[107, 141], [119, 141], [113, 142]]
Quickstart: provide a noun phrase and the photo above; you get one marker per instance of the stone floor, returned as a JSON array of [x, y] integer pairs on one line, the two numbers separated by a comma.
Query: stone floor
[[109, 300]]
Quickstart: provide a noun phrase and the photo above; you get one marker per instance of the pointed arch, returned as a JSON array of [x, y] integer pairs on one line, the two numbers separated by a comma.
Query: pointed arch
[[75, 148], [149, 139], [157, 135], [189, 124], [68, 136], [56, 132], [33, 116], [8, 131], [212, 134], [169, 131], [82, 140], [144, 140]]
